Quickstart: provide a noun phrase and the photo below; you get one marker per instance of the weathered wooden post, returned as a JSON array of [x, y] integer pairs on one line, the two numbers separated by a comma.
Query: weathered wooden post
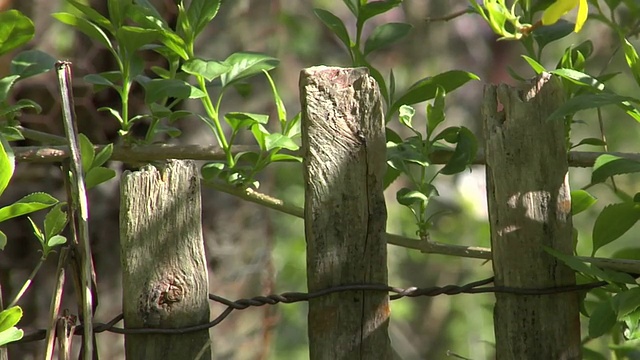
[[164, 271], [345, 216], [530, 207]]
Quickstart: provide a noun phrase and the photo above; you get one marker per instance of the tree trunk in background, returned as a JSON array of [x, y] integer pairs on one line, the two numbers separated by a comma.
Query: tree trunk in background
[[529, 208]]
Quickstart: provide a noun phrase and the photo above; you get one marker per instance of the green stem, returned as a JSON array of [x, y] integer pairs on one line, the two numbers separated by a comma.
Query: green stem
[[216, 128], [28, 282]]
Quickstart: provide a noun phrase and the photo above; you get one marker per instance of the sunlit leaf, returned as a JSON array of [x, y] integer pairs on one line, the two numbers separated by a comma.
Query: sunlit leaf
[[209, 69], [425, 89], [607, 165], [581, 201], [28, 204], [245, 64], [7, 164], [16, 29]]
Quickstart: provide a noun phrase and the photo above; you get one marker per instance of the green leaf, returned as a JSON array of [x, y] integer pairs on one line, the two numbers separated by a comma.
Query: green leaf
[[385, 35], [37, 232], [98, 175], [626, 302], [631, 56], [589, 101], [86, 27], [211, 171], [241, 120], [10, 335], [158, 89], [10, 133], [28, 204], [627, 253], [613, 222], [285, 157], [602, 319], [15, 30], [579, 78], [590, 141], [353, 5], [55, 221], [374, 8], [87, 152], [133, 38], [576, 264], [335, 25], [201, 12], [6, 83], [426, 88], [92, 15], [103, 80], [405, 115], [410, 151], [435, 112], [464, 154], [245, 64], [7, 164], [102, 156], [30, 63], [259, 133], [581, 201], [10, 317], [3, 240], [282, 111], [607, 166], [408, 197], [117, 11], [536, 66], [56, 240], [277, 140], [209, 69], [550, 33]]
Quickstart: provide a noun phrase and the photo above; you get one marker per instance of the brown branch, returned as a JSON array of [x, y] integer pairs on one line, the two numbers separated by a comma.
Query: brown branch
[[157, 152]]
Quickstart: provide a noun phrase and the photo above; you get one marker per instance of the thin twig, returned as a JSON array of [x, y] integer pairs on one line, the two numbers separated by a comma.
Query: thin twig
[[449, 17], [27, 283], [425, 246], [54, 309], [78, 203]]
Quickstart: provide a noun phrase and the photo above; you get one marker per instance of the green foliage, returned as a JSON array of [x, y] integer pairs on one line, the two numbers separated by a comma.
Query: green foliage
[[54, 222], [94, 172], [8, 319], [15, 30], [174, 84]]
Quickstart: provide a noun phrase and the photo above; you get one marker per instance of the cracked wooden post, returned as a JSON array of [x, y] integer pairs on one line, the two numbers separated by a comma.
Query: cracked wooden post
[[530, 207], [164, 271], [345, 215]]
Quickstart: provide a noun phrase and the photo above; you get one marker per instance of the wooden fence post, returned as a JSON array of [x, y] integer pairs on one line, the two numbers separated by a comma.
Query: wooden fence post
[[345, 215], [530, 207], [164, 271]]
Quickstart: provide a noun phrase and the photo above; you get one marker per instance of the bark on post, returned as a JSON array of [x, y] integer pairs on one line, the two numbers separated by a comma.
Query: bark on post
[[345, 215], [530, 207], [165, 281]]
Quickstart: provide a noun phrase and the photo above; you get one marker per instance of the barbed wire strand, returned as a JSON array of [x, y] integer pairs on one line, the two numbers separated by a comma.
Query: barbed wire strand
[[476, 287]]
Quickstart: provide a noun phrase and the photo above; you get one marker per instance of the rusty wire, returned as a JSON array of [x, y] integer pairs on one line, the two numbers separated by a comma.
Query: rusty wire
[[476, 287]]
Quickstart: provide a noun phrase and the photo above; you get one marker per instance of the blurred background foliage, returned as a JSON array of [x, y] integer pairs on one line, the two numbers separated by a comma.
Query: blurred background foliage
[[254, 251]]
